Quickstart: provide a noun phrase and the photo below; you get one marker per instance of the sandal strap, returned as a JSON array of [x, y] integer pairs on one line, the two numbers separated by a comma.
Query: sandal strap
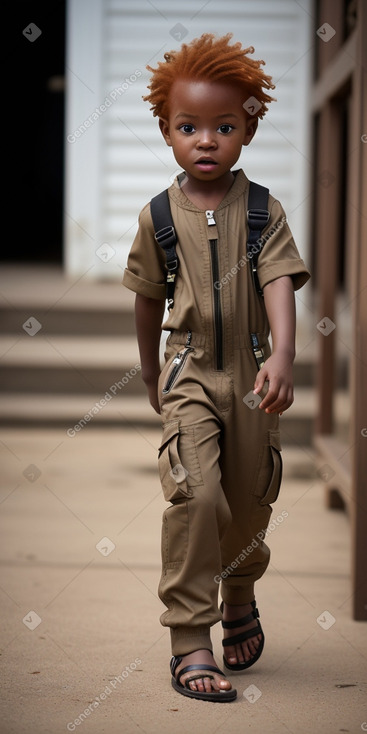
[[197, 666], [242, 636], [242, 621], [174, 662], [254, 614], [177, 659], [253, 604]]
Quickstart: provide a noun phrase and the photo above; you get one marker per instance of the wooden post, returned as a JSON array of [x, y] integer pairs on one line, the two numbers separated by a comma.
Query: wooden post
[[329, 13], [359, 359], [327, 237]]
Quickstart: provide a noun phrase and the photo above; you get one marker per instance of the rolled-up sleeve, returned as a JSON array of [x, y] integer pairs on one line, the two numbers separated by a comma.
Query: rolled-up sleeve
[[145, 272], [279, 255]]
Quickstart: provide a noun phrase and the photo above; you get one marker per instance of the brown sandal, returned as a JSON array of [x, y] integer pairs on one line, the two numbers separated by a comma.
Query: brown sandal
[[243, 636], [216, 696]]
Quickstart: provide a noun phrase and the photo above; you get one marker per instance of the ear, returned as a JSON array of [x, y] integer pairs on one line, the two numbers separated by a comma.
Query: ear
[[164, 128], [251, 127]]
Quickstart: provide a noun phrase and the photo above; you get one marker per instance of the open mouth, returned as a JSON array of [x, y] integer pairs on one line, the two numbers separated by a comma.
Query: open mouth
[[206, 164]]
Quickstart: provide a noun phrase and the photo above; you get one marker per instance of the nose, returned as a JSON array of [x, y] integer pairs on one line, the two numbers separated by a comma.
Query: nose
[[206, 140]]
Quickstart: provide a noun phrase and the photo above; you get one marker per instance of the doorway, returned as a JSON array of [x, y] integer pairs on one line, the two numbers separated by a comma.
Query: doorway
[[34, 97]]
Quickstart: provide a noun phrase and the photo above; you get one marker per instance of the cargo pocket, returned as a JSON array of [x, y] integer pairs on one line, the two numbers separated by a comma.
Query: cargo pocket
[[270, 470], [173, 474], [175, 536]]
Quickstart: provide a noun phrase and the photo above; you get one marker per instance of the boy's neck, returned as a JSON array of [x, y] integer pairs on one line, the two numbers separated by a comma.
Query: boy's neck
[[207, 194]]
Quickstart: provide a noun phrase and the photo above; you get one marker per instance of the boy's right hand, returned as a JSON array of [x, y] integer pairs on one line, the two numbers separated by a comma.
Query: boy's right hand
[[148, 319], [152, 388], [277, 373]]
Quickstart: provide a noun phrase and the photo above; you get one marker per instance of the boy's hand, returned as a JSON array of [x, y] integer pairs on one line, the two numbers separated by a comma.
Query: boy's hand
[[152, 388], [148, 319], [278, 372]]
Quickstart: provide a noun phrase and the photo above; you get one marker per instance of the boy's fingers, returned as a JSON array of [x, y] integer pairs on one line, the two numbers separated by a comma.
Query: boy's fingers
[[275, 399], [259, 382], [271, 397], [281, 404]]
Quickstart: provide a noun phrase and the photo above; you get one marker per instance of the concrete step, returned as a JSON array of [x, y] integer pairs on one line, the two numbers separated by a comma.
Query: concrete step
[[75, 413], [85, 363], [71, 364], [57, 380], [110, 408], [61, 305], [91, 321], [86, 338]]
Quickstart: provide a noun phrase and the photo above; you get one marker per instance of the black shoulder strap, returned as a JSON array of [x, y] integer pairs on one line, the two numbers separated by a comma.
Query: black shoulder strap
[[166, 238], [257, 218], [165, 235]]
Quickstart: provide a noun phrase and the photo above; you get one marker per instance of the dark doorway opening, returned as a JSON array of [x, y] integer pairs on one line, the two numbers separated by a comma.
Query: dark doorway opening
[[34, 79]]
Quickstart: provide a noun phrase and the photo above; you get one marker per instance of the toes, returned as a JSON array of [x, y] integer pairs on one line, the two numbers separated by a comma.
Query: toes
[[232, 655], [252, 646], [199, 685], [244, 652], [208, 685], [195, 685], [204, 683], [247, 654]]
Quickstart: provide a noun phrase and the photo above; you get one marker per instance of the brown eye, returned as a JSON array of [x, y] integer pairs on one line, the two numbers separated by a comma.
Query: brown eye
[[187, 128], [225, 129]]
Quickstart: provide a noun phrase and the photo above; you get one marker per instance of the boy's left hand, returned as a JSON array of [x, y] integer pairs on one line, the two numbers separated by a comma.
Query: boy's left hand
[[278, 372]]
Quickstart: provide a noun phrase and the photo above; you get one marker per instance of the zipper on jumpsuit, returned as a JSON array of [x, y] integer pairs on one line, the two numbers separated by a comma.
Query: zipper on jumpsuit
[[218, 319], [178, 364]]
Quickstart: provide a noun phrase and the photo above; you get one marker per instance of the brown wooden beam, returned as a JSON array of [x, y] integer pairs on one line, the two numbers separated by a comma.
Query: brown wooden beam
[[359, 359], [330, 19], [328, 184], [335, 75]]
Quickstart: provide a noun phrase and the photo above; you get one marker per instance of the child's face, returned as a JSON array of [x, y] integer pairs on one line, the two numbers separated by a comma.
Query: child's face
[[207, 127]]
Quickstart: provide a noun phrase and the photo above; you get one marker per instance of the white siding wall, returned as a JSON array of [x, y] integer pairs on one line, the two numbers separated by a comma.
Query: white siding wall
[[118, 160]]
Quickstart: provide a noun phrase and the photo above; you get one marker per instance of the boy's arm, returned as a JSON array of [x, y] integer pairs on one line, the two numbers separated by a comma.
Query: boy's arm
[[148, 319], [278, 368]]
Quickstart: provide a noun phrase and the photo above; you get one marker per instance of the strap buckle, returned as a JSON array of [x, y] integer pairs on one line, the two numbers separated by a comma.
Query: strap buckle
[[257, 351], [257, 218], [166, 237]]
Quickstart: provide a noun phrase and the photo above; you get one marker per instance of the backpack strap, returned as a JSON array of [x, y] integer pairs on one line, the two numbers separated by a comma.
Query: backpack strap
[[257, 218], [165, 234], [166, 238]]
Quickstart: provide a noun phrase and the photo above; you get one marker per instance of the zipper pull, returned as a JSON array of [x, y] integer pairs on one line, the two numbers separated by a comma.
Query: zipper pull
[[210, 216]]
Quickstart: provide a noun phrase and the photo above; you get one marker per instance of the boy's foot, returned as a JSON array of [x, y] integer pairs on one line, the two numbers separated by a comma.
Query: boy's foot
[[244, 651], [209, 685]]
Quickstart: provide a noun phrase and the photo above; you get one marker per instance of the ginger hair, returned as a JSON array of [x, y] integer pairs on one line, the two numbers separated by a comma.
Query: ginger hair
[[214, 60]]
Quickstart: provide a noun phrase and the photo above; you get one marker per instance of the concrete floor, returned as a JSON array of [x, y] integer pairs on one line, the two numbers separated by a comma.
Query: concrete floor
[[81, 626]]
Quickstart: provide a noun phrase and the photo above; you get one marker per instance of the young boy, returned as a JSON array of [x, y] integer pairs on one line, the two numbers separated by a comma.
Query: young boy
[[219, 459]]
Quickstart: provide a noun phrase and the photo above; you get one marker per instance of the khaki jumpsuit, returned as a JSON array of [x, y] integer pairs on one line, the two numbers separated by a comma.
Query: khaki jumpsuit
[[219, 460]]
